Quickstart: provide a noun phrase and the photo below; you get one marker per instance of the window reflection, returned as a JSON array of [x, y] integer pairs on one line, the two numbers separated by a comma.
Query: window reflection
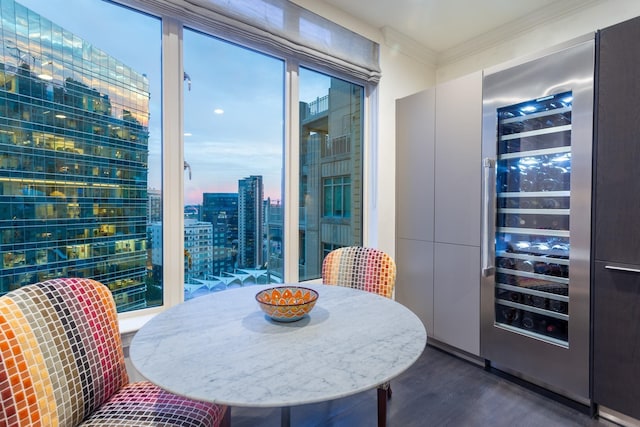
[[74, 151], [330, 199]]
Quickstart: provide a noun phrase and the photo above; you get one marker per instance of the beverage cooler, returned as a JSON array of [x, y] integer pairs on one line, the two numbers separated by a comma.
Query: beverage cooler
[[537, 151]]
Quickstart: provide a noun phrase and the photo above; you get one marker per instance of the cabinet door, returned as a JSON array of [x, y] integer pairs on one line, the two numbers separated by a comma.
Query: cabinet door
[[414, 166], [456, 296], [414, 283], [617, 184], [616, 339], [458, 165]]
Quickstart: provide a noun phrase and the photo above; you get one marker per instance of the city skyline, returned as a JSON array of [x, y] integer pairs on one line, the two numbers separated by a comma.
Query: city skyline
[[104, 99]]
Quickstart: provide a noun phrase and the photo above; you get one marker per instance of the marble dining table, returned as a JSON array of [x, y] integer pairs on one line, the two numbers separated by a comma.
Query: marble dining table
[[222, 348]]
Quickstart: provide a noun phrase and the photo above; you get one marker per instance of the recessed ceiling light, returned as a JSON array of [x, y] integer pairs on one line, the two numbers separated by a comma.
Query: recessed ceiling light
[[187, 134], [218, 111]]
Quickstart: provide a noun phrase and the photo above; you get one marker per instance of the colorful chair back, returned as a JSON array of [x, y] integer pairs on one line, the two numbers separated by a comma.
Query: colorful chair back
[[359, 267]]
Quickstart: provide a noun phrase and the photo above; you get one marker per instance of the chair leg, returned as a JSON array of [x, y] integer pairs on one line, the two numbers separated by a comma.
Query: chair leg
[[382, 407], [226, 418]]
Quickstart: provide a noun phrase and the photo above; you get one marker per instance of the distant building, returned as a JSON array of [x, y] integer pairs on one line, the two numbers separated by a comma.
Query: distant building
[[73, 161], [331, 175], [273, 226], [221, 210], [250, 222], [224, 253], [215, 204], [192, 212], [198, 249], [155, 237], [154, 206]]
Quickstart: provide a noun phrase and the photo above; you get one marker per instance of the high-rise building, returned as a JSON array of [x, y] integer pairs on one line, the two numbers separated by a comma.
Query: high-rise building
[[224, 255], [198, 249], [250, 222], [73, 160], [331, 175], [213, 204], [192, 212], [273, 230], [154, 205], [221, 210]]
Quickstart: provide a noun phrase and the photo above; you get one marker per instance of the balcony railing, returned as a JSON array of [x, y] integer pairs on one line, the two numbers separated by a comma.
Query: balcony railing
[[315, 108]]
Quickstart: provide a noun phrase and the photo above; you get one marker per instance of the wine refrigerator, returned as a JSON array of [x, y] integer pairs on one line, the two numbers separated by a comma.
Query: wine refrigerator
[[537, 154]]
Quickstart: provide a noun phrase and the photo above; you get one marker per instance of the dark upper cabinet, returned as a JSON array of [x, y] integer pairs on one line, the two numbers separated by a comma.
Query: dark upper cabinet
[[617, 151]]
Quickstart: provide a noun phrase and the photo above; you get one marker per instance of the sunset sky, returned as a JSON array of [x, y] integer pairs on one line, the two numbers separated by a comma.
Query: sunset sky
[[221, 148]]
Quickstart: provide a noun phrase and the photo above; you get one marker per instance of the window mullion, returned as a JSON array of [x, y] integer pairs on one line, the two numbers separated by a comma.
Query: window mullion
[[291, 173], [172, 160]]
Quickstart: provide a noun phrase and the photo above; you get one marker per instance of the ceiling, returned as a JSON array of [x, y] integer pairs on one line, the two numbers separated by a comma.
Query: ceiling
[[442, 27]]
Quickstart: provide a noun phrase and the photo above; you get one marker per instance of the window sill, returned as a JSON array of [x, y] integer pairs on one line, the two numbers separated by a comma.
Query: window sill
[[130, 325]]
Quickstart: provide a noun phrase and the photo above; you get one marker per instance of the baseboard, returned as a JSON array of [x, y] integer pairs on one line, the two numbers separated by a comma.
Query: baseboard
[[579, 404], [461, 354], [617, 417]]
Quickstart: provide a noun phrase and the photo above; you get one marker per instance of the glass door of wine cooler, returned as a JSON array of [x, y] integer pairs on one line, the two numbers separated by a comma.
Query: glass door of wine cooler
[[533, 182], [537, 133]]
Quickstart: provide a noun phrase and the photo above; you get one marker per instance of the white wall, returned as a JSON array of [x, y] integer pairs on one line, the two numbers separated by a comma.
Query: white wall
[[602, 14], [401, 76]]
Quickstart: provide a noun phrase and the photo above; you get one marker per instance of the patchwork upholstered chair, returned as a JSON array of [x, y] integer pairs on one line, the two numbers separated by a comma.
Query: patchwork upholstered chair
[[62, 364], [370, 270]]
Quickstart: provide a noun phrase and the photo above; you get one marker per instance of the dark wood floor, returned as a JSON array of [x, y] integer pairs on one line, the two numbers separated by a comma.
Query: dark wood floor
[[438, 390]]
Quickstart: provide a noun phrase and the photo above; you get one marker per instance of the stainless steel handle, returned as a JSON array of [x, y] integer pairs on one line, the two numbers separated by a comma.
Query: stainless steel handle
[[487, 214], [615, 267]]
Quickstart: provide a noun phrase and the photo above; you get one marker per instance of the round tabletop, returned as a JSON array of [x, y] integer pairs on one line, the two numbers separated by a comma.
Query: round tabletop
[[222, 348]]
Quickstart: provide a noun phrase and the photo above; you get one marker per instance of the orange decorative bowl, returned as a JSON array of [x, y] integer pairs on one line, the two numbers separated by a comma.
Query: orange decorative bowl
[[287, 303]]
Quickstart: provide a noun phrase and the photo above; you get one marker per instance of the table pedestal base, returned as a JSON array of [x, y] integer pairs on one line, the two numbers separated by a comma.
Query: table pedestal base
[[285, 416]]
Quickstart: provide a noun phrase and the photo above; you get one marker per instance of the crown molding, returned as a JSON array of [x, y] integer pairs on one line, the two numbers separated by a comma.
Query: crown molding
[[400, 42], [511, 30]]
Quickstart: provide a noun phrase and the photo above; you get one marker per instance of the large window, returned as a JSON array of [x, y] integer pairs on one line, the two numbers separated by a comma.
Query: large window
[[233, 151], [80, 146], [112, 128], [330, 197]]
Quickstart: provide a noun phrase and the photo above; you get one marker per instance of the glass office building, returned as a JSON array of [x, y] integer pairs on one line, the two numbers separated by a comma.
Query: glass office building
[[73, 161]]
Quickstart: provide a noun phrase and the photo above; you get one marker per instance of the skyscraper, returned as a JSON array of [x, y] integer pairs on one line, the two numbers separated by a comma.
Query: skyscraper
[[221, 210], [214, 204], [274, 234], [250, 222], [198, 249], [154, 205], [224, 253], [73, 160]]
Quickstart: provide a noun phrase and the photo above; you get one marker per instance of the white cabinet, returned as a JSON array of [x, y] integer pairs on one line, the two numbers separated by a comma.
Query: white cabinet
[[414, 286], [415, 142], [458, 165], [456, 296], [438, 178]]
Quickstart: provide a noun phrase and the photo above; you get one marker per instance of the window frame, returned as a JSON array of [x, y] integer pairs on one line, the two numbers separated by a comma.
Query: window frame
[[173, 155]]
